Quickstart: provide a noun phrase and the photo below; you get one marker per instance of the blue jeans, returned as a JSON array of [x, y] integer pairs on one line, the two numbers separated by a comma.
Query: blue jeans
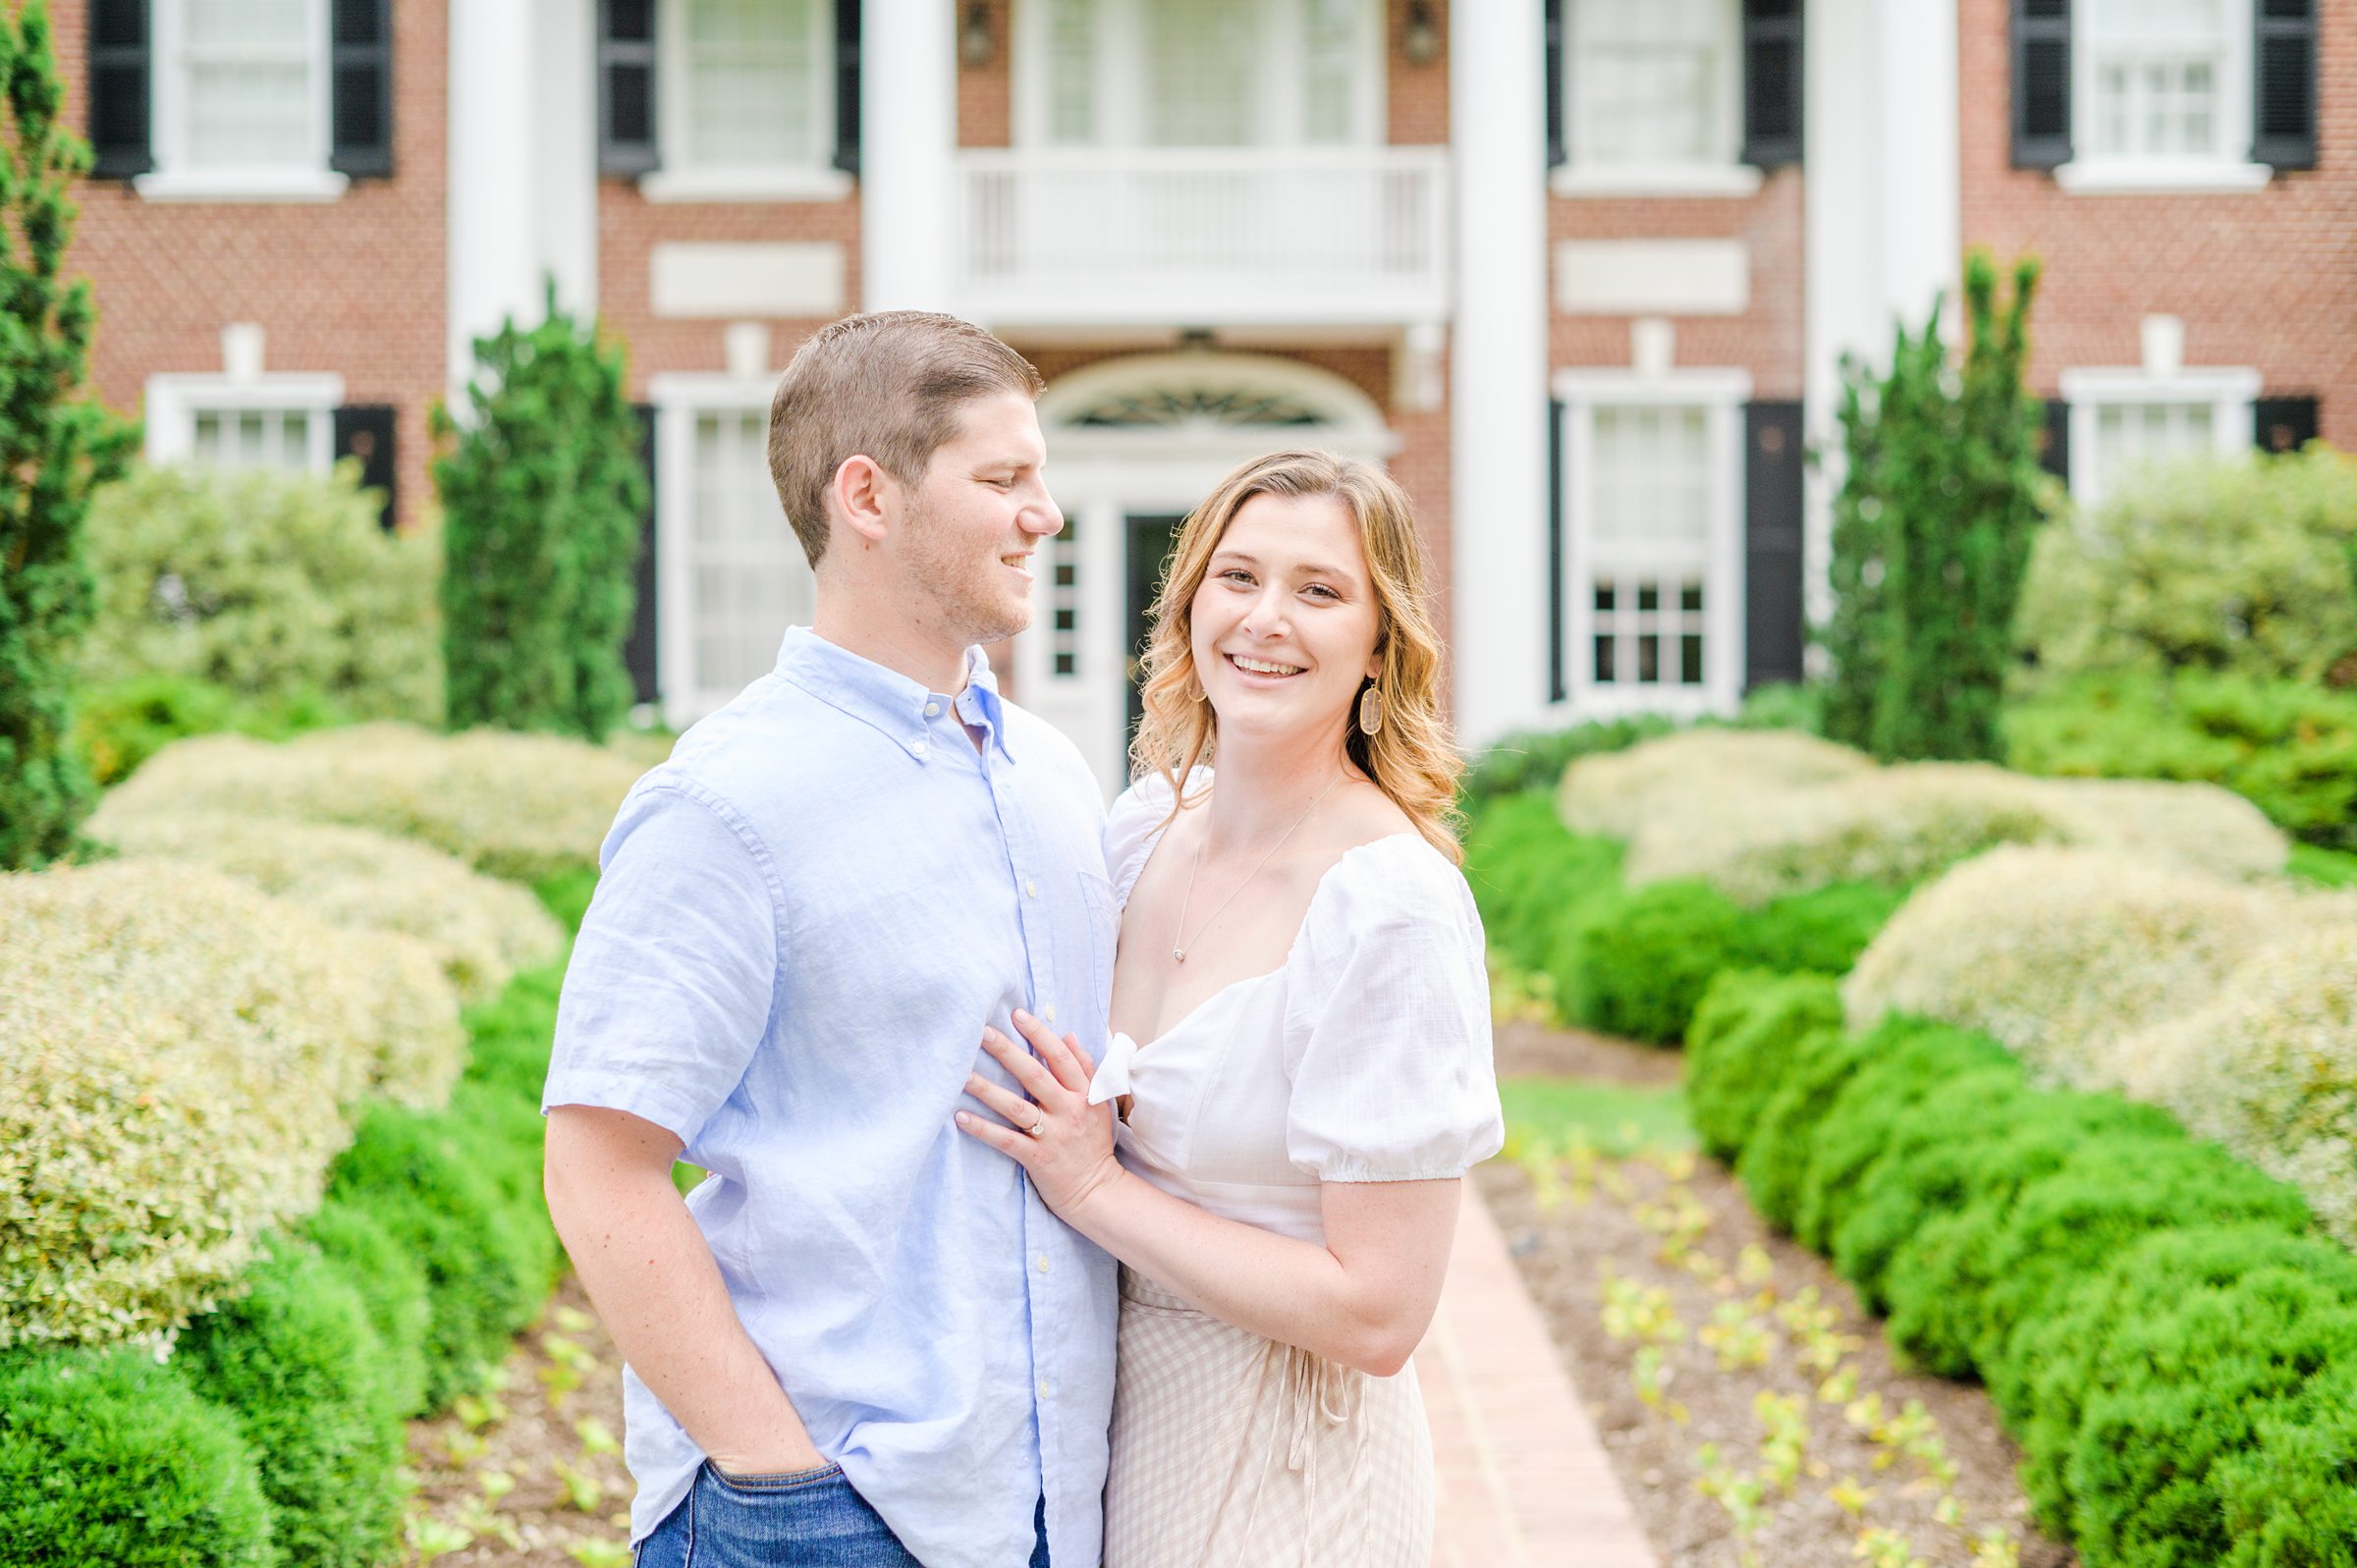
[[806, 1518]]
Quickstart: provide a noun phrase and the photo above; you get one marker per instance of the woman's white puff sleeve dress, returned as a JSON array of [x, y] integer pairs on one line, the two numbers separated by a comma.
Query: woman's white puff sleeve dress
[[1365, 1057]]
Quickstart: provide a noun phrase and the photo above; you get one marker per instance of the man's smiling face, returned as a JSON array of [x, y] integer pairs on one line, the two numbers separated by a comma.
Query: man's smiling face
[[974, 520]]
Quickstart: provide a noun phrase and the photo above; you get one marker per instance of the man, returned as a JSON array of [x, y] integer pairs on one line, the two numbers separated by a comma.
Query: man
[[862, 1340]]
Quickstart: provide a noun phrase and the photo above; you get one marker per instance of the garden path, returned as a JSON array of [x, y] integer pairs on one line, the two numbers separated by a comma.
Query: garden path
[[1523, 1480]]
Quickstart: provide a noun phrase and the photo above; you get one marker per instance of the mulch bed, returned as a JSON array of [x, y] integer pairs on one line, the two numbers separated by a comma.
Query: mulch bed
[[1570, 1232], [493, 1472]]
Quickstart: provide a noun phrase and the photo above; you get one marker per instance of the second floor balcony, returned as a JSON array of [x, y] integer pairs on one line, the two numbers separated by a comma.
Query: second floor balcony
[[1213, 237]]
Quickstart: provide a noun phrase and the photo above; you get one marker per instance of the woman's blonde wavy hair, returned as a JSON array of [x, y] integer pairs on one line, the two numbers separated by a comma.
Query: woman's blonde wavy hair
[[1410, 757]]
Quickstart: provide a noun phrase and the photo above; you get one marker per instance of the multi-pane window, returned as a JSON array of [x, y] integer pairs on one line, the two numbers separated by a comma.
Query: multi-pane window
[[2158, 77], [1064, 599], [250, 78], [2134, 436], [751, 85], [745, 568], [292, 439], [1648, 545], [1653, 83], [1203, 73]]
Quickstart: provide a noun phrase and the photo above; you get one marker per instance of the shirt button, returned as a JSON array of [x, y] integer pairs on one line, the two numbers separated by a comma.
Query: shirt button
[[1043, 1388], [1043, 1263], [916, 748], [1048, 1013], [1030, 889], [932, 710]]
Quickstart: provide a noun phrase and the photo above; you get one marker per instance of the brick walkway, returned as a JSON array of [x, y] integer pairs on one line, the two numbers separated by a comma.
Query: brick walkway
[[1523, 1482]]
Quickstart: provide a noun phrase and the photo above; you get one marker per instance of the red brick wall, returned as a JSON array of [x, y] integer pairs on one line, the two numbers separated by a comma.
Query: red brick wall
[[630, 227], [2266, 279], [356, 285], [986, 92], [1417, 95], [1768, 340]]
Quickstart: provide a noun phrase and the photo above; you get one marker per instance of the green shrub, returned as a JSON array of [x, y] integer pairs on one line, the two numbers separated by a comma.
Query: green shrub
[[1530, 877], [543, 489], [2164, 1365], [299, 1366], [523, 807], [118, 726], [57, 445], [1939, 497], [2234, 566], [1775, 1160], [1636, 965], [419, 1178], [2322, 868], [175, 1049], [1908, 1062], [279, 588], [1685, 776], [1747, 1031], [392, 1286], [2287, 746], [108, 1458], [2290, 1499]]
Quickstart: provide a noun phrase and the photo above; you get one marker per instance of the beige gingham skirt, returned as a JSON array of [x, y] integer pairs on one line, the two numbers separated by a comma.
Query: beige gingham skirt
[[1234, 1451]]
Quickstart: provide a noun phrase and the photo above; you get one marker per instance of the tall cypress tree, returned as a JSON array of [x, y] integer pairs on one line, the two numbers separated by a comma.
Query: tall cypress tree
[[55, 448], [1931, 532], [542, 495]]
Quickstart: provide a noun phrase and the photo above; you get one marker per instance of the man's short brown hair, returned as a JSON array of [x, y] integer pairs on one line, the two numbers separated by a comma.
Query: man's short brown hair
[[887, 386]]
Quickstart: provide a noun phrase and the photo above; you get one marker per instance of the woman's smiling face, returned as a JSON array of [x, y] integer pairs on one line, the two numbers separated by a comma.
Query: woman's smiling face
[[1283, 628]]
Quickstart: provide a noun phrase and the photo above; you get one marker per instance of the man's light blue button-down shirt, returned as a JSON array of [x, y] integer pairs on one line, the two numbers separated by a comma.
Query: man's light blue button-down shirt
[[805, 921]]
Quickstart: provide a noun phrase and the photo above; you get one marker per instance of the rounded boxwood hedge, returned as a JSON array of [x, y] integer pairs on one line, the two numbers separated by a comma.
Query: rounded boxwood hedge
[[106, 1457], [299, 1366], [392, 1286]]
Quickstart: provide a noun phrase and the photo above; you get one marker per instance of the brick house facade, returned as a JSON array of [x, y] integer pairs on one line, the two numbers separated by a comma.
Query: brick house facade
[[1580, 271]]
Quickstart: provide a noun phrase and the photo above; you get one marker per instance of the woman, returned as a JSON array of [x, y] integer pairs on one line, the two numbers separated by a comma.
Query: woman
[[1302, 958]]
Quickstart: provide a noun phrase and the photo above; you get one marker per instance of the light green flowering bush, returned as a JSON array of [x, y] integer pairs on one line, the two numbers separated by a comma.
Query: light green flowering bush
[[480, 929], [518, 806], [273, 585], [1694, 771], [2268, 1067], [1763, 822], [175, 1050], [2064, 955]]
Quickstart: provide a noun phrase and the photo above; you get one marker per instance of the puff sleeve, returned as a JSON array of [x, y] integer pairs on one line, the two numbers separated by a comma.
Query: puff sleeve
[[1387, 1028]]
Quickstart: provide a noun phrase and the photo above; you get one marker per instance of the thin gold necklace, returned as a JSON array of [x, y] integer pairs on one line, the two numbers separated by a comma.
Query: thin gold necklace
[[1178, 952]]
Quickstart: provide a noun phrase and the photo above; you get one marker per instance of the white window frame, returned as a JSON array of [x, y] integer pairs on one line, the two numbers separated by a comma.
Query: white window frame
[[1724, 175], [2227, 171], [1721, 394], [679, 400], [172, 180], [817, 180], [2229, 393], [175, 401], [1283, 112]]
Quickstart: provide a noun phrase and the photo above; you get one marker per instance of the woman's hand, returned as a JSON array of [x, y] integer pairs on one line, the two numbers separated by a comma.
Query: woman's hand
[[1069, 1157]]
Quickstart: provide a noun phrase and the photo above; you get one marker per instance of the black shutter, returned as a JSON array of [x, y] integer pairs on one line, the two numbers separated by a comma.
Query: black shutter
[[1772, 82], [846, 85], [627, 143], [1557, 146], [2053, 441], [2283, 424], [2041, 83], [638, 651], [2283, 96], [363, 89], [364, 431], [119, 89], [1556, 631], [1773, 627]]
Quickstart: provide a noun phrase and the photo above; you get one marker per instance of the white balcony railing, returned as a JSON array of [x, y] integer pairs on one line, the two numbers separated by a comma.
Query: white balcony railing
[[1203, 235]]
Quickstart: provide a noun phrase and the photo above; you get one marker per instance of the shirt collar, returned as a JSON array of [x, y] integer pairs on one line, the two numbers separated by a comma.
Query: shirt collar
[[892, 702]]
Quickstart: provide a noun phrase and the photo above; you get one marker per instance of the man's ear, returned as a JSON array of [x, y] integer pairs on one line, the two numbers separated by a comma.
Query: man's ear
[[865, 497]]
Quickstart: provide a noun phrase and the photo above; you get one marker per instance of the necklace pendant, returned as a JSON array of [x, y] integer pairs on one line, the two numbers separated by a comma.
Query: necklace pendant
[[1178, 954]]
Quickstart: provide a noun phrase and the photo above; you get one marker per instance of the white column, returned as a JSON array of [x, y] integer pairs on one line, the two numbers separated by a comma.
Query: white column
[[1883, 193], [1498, 372], [908, 137], [563, 171], [493, 262]]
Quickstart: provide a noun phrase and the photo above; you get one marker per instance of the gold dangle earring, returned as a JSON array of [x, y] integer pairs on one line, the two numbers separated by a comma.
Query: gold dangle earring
[[1370, 709]]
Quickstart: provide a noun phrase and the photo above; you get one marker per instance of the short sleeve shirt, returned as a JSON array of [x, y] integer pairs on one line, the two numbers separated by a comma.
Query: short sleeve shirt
[[805, 919]]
